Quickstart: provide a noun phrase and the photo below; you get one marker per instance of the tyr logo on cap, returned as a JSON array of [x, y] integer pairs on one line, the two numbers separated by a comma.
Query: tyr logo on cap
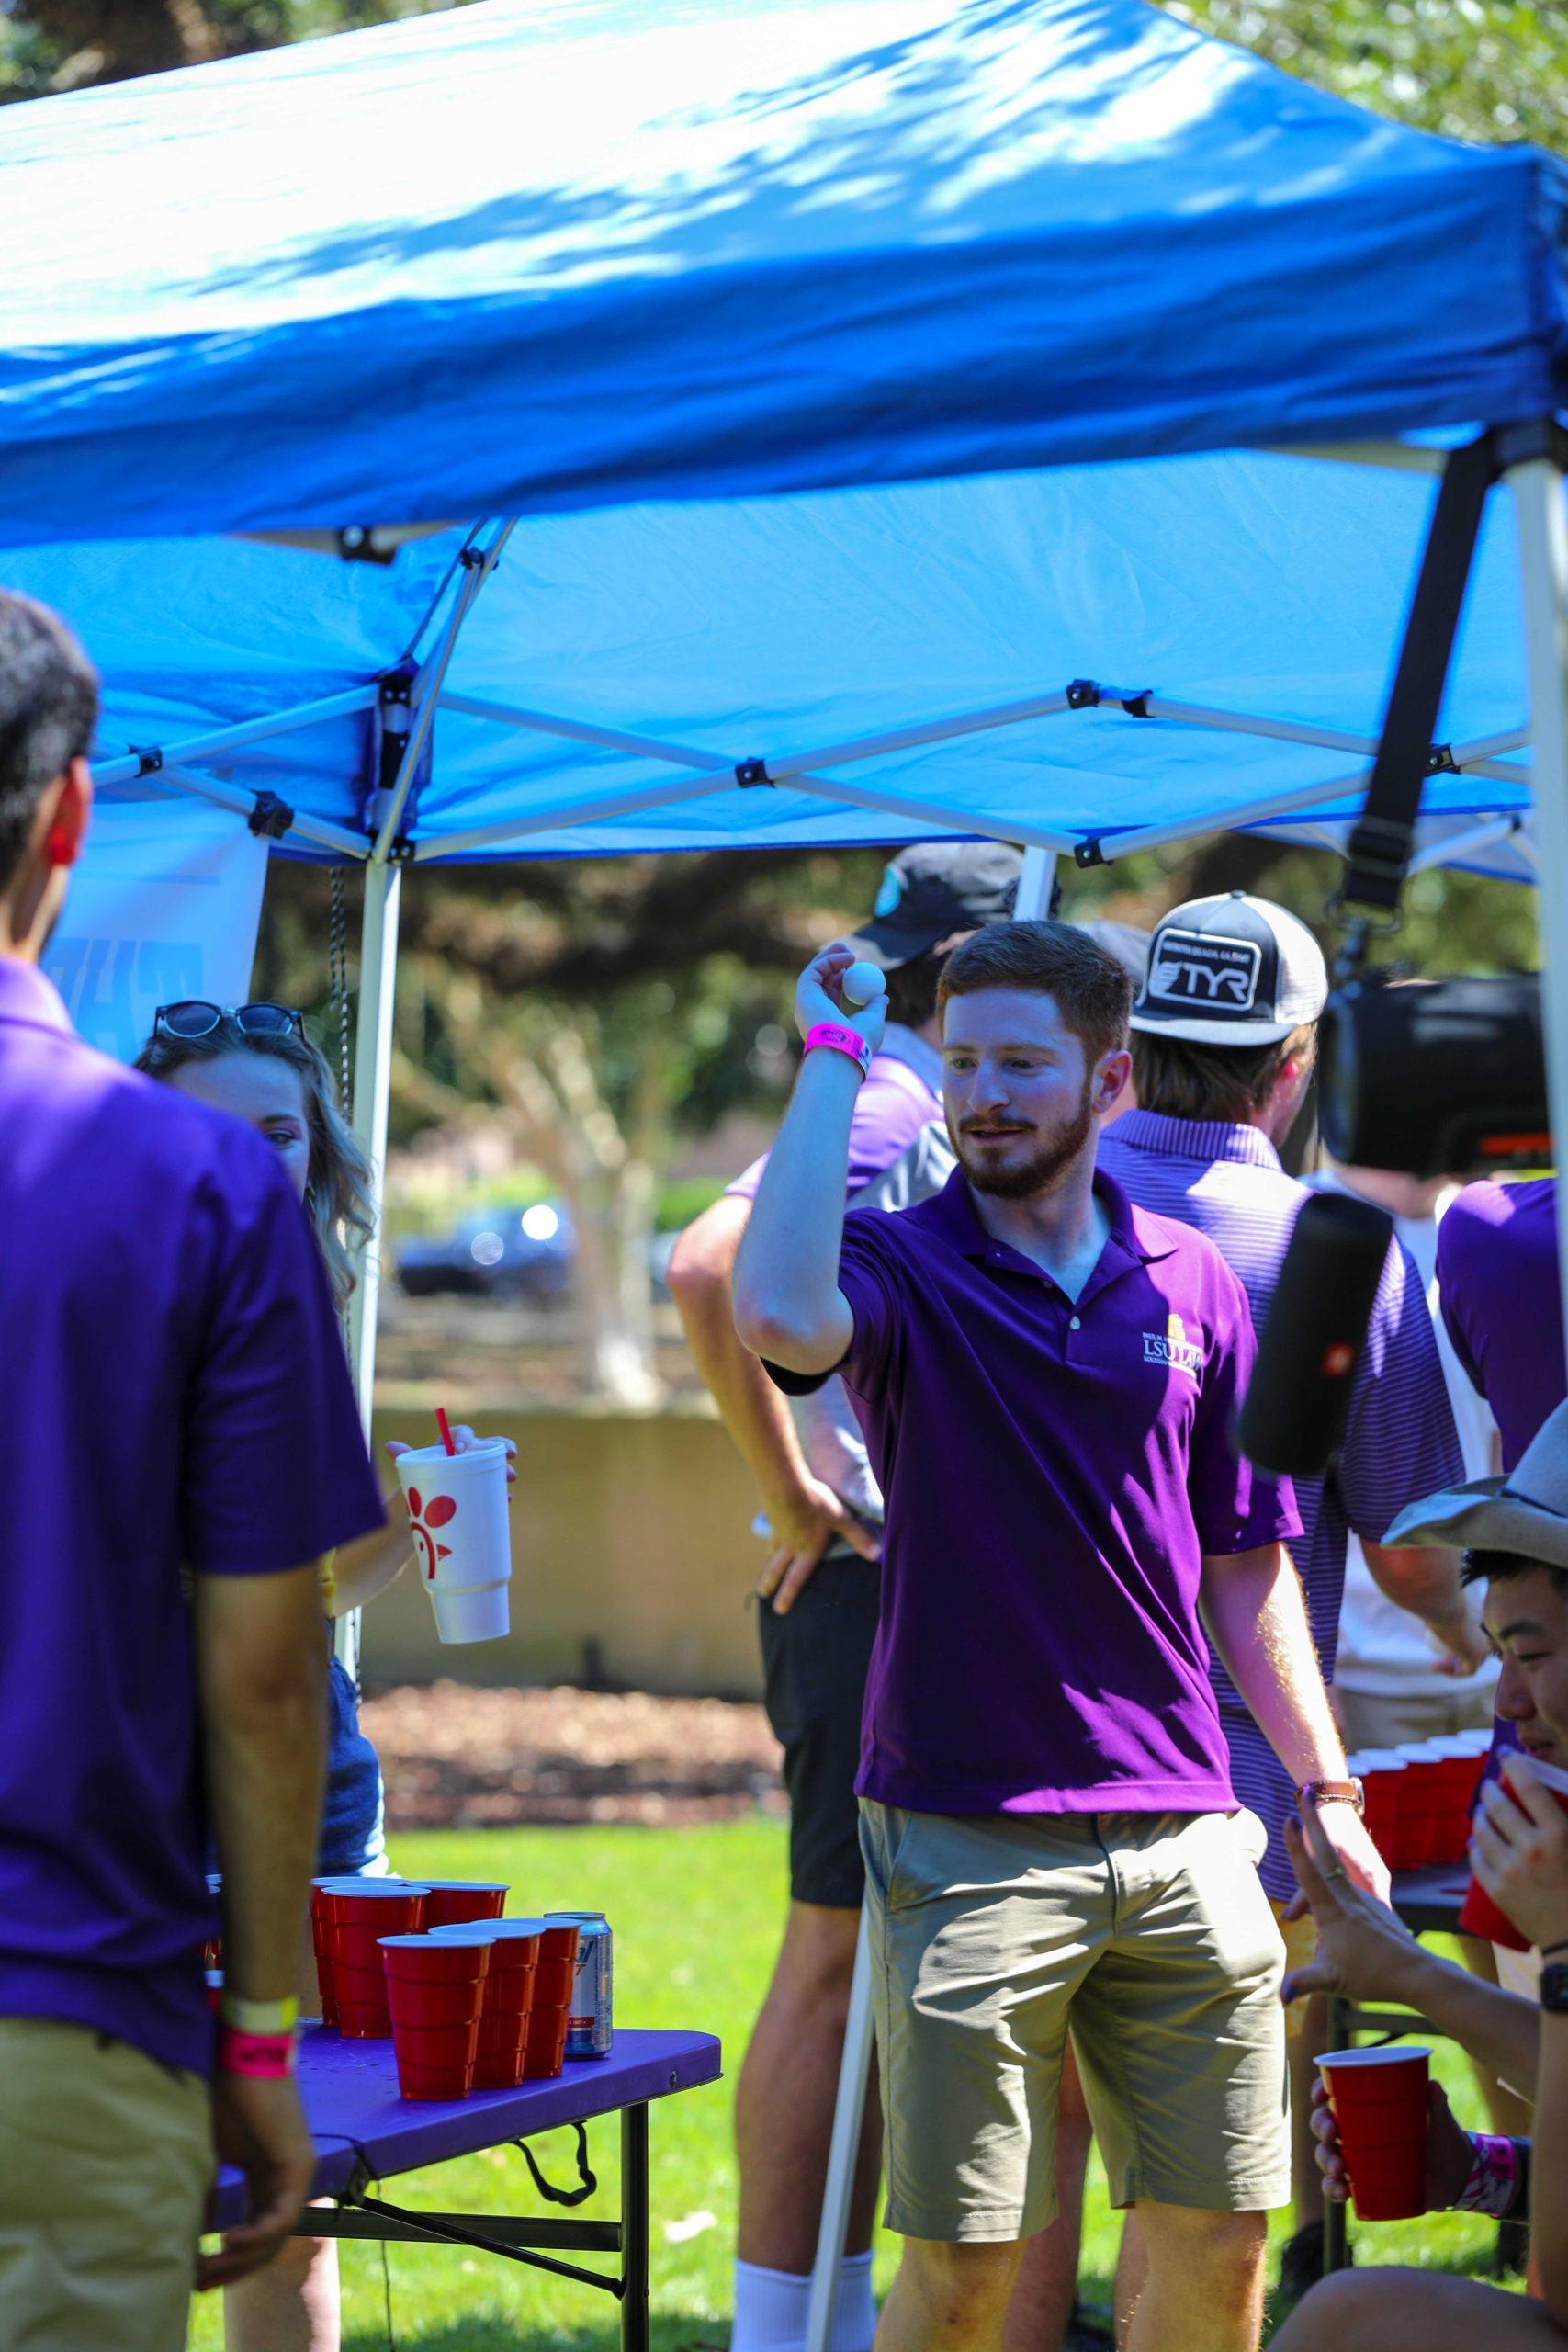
[[1202, 971]]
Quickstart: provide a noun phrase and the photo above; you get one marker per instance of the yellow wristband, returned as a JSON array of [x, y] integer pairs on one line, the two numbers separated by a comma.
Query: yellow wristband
[[259, 2017]]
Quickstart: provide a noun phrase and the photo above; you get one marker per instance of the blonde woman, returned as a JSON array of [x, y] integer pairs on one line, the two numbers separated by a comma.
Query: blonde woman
[[257, 1062]]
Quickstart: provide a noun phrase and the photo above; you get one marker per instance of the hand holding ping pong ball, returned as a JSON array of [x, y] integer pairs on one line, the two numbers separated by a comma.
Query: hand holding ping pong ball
[[862, 984]]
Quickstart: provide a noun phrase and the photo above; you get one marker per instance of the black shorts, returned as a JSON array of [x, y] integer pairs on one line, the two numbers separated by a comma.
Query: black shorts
[[814, 1663]]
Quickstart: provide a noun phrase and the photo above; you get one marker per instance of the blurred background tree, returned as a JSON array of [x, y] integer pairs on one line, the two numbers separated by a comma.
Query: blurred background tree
[[606, 1013]]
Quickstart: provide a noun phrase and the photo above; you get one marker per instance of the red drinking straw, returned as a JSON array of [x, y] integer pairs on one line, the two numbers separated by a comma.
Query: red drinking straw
[[446, 1438]]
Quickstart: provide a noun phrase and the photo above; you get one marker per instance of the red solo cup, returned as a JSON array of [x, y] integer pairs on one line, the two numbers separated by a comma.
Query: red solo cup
[[1458, 1770], [497, 2062], [453, 1902], [435, 2061], [513, 1943], [391, 1907], [560, 1940], [360, 1997], [412, 2000], [1422, 1823], [553, 1980], [1380, 1772], [438, 1960], [1479, 1916], [1379, 2098], [544, 2048]]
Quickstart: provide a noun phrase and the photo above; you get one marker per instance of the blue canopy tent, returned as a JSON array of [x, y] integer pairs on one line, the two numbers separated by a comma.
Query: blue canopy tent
[[908, 418]]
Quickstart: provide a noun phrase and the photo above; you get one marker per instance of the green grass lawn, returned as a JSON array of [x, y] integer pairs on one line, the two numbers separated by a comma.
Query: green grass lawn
[[697, 1914]]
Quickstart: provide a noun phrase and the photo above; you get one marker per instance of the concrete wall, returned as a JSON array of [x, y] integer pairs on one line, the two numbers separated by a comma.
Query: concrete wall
[[631, 1559]]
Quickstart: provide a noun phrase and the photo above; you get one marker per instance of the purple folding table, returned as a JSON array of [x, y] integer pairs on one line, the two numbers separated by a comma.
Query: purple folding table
[[365, 2134]]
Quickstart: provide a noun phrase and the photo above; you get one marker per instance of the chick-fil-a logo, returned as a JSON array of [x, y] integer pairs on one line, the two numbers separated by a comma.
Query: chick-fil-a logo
[[423, 1518]]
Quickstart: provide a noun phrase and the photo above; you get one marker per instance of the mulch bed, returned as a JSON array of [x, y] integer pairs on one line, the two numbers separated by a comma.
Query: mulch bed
[[460, 1759]]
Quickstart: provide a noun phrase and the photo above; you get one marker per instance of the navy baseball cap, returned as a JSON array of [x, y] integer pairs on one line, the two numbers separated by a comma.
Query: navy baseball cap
[[933, 890]]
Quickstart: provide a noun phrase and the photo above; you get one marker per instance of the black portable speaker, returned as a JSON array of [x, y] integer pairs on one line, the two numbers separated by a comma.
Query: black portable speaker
[[1293, 1416]]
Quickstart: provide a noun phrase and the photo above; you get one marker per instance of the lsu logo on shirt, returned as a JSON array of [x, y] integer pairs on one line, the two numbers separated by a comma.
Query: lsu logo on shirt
[[1173, 1347]]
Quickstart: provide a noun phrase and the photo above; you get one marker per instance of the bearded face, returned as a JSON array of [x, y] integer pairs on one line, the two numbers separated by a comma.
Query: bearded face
[[1020, 1092]]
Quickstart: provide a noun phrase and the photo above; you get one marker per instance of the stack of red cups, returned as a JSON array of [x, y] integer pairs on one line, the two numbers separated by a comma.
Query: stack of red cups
[[348, 1919], [544, 2049], [508, 1996], [435, 1998]]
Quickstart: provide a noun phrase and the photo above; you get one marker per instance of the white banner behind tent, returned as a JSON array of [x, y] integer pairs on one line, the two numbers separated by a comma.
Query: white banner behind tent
[[158, 910]]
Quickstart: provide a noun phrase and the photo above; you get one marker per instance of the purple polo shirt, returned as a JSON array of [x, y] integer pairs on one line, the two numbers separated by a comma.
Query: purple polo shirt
[[1400, 1442], [1497, 1284], [174, 1393], [1053, 1472]]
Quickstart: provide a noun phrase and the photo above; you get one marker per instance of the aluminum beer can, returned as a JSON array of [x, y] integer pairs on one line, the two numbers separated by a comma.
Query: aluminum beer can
[[591, 2021]]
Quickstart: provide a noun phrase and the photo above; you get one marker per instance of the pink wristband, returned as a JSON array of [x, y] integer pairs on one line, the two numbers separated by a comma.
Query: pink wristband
[[840, 1041], [268, 2055]]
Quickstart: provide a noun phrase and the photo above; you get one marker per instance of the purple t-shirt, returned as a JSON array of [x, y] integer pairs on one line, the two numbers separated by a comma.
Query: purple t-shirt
[[1053, 1472], [1498, 1287], [174, 1391]]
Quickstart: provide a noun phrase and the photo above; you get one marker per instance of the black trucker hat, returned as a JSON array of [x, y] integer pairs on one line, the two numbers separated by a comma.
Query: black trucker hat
[[933, 890]]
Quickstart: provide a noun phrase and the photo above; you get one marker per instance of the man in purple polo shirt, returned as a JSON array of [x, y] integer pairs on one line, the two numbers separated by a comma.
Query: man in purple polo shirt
[[183, 1446], [1045, 1375], [818, 1592], [1224, 1035]]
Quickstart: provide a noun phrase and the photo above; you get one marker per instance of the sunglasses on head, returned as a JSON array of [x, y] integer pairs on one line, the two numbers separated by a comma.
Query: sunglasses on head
[[193, 1017]]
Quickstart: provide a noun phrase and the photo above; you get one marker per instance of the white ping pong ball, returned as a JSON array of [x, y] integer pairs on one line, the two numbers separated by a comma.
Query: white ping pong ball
[[862, 984]]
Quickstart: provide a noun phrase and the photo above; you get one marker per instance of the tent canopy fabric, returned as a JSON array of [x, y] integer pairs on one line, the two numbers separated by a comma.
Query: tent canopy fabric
[[1260, 589], [514, 259]]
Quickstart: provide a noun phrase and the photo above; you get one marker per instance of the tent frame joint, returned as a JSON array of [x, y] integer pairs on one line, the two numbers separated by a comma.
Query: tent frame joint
[[271, 818], [751, 774], [1090, 852], [149, 758], [1082, 695], [1441, 760]]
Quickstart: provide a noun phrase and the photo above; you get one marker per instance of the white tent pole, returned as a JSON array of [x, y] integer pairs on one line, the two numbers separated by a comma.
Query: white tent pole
[[1543, 556], [1036, 884], [231, 739], [1457, 845], [372, 1094], [854, 2072], [904, 739], [241, 799]]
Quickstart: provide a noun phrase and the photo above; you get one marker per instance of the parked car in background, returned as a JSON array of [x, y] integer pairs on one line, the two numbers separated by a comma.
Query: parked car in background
[[495, 1251]]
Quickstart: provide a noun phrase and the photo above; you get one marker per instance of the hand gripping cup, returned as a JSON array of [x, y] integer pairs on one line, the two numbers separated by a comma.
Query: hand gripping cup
[[435, 1993], [1479, 1916], [1379, 2097], [457, 1505]]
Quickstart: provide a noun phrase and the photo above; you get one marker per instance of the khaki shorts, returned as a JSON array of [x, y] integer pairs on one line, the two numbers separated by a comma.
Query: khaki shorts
[[1150, 1935], [106, 2159]]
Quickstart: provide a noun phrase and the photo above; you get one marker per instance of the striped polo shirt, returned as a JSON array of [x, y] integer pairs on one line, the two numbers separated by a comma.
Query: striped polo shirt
[[1399, 1441]]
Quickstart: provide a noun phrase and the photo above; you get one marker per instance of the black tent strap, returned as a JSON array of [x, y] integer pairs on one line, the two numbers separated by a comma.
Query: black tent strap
[[1384, 838]]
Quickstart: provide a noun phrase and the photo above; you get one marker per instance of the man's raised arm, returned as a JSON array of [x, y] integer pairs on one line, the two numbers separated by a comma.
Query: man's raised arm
[[788, 1306]]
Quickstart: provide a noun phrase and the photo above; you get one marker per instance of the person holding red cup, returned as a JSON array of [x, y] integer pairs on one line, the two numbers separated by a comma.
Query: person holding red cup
[[1514, 1533]]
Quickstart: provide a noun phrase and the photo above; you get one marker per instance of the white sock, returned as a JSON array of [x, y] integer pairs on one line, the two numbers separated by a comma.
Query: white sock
[[771, 2308], [854, 2314]]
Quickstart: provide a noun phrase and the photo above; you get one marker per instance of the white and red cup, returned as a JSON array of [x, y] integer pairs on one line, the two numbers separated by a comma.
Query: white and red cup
[[435, 1988], [462, 1537], [1379, 2098], [508, 1998]]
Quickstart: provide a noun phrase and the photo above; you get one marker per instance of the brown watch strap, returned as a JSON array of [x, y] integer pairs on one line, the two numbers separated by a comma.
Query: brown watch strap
[[1332, 1792]]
